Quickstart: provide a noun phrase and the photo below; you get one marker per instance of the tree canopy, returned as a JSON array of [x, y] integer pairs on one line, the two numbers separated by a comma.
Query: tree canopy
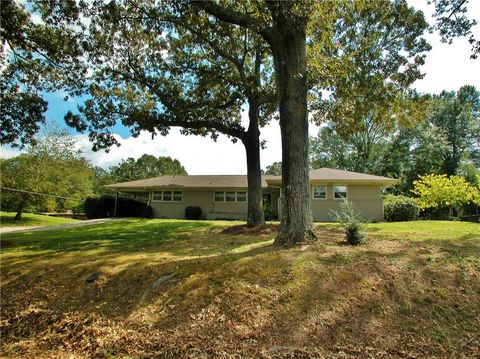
[[60, 177], [146, 166]]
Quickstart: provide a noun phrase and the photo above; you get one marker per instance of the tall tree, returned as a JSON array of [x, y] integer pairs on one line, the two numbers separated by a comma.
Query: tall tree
[[458, 115], [360, 151], [34, 57], [201, 80], [279, 28], [146, 166]]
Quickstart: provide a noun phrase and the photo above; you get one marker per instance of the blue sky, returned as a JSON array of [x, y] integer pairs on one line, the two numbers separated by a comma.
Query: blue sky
[[447, 67]]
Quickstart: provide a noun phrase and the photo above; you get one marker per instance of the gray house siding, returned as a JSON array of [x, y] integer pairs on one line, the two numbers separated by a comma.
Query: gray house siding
[[366, 199], [204, 198]]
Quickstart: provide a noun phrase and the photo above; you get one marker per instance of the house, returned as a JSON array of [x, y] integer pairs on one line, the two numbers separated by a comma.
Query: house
[[225, 196]]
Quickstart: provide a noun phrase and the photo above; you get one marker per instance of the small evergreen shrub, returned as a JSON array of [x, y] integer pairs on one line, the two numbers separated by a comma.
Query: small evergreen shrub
[[194, 213], [400, 209], [269, 213], [103, 206], [352, 223]]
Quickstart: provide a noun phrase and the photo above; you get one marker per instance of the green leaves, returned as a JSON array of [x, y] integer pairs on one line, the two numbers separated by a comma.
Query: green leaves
[[440, 191], [147, 166]]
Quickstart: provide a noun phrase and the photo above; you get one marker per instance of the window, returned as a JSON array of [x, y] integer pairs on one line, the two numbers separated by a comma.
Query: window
[[319, 192], [177, 196], [241, 196], [340, 192], [219, 196], [230, 196], [167, 196]]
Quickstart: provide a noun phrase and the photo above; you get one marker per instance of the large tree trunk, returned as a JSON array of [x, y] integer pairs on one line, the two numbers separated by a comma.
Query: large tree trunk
[[251, 142], [289, 52], [21, 206]]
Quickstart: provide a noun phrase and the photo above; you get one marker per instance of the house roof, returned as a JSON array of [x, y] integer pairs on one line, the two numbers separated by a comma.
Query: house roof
[[325, 174], [197, 181], [240, 181]]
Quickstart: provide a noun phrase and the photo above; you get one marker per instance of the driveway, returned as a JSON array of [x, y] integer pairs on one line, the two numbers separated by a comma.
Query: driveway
[[87, 222]]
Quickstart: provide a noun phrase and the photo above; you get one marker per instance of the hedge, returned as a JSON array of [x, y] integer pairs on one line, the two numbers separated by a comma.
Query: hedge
[[101, 207], [400, 208], [194, 213]]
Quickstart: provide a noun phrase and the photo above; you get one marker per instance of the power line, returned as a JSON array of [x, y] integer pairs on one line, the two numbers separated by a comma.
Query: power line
[[39, 193]]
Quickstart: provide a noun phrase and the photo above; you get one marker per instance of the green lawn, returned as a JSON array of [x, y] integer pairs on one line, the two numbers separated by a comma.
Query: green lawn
[[412, 289], [31, 220]]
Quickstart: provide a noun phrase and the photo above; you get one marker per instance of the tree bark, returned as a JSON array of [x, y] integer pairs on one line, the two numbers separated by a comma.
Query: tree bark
[[289, 53], [251, 142], [21, 206]]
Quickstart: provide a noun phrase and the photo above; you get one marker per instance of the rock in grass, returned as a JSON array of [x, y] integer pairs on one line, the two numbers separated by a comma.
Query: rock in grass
[[165, 278], [93, 277]]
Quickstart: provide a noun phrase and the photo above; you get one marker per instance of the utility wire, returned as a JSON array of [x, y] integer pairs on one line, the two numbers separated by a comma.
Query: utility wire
[[39, 193]]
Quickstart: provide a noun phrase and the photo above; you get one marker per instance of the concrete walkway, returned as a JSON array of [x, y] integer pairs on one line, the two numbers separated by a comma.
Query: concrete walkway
[[87, 222]]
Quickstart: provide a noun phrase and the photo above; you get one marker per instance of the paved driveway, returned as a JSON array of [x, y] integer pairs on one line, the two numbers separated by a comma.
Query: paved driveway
[[87, 222]]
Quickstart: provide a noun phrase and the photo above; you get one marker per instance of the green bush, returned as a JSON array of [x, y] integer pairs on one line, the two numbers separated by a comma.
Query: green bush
[[193, 213], [352, 222], [103, 206], [269, 213], [400, 209]]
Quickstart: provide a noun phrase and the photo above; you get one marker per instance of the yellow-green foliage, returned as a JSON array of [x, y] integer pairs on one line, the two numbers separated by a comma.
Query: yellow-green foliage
[[439, 191]]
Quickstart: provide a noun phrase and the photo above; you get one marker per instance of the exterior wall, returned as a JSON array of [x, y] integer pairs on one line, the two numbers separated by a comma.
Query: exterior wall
[[204, 198], [366, 199]]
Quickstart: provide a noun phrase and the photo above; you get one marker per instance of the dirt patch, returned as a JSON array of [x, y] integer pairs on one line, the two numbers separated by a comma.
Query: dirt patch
[[263, 229]]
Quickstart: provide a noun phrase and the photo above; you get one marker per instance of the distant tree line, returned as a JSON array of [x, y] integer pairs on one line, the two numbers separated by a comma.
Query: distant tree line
[[52, 176], [440, 140]]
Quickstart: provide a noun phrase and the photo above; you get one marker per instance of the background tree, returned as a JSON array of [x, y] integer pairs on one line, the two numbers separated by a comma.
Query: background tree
[[274, 169], [146, 166], [50, 167], [458, 115], [440, 191], [361, 151]]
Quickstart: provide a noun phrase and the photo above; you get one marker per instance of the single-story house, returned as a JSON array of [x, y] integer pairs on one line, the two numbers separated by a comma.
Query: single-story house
[[225, 196]]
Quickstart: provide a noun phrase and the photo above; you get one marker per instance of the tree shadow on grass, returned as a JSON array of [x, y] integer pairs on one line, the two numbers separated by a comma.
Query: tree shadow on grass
[[381, 295]]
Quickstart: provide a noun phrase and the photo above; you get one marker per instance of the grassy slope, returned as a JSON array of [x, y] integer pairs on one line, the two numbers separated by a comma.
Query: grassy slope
[[30, 220], [412, 289]]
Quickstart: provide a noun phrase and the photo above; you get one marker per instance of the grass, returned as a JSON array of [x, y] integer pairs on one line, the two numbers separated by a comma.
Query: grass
[[412, 289], [31, 220]]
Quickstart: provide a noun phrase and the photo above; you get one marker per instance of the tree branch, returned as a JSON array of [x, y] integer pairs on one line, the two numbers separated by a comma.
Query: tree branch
[[234, 17]]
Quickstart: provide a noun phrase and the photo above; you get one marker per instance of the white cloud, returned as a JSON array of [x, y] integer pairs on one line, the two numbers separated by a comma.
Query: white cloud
[[199, 155], [448, 66], [9, 152]]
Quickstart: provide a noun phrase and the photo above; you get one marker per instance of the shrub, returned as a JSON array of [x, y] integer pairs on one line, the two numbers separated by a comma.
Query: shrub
[[269, 213], [352, 222], [103, 206], [400, 208], [194, 213]]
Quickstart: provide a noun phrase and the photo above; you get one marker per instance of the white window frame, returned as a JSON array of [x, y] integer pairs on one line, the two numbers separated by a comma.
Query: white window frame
[[313, 192], [169, 201], [339, 185], [214, 196], [225, 197]]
